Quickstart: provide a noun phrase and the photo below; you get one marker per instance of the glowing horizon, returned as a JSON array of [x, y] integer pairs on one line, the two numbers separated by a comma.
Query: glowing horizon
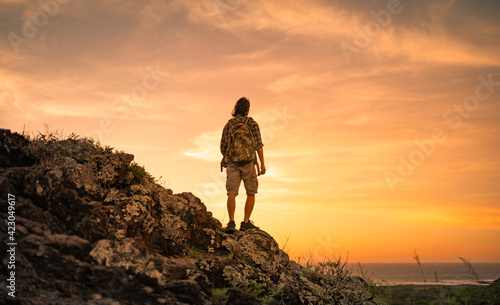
[[379, 120]]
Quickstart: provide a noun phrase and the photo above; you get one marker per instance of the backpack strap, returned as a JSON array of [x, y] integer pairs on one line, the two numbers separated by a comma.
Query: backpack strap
[[223, 161], [232, 121]]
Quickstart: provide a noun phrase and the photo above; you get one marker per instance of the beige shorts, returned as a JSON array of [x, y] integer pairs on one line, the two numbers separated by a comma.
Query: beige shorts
[[247, 173]]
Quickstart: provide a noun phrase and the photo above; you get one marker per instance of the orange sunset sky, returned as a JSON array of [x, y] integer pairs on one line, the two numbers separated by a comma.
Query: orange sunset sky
[[380, 118]]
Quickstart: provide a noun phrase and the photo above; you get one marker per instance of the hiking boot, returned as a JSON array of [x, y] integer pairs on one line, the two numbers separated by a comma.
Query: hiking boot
[[231, 227], [247, 226]]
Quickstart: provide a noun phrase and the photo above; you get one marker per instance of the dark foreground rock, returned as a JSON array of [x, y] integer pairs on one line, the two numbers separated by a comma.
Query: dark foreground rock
[[92, 227]]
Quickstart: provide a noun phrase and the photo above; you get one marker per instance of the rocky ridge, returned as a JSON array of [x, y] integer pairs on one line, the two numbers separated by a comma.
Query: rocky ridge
[[92, 227]]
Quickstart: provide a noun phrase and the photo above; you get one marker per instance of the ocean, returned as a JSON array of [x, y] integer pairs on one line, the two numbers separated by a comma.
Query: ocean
[[429, 273]]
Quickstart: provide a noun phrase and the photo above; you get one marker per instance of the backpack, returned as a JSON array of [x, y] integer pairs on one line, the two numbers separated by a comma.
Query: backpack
[[241, 146]]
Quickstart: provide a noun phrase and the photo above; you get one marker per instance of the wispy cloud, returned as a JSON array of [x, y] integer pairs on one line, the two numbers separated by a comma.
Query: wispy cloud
[[207, 146]]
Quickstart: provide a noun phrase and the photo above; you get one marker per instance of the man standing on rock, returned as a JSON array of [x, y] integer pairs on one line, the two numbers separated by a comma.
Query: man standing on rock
[[240, 141]]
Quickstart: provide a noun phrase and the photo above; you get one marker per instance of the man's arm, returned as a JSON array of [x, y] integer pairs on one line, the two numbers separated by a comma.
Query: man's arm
[[260, 152], [258, 143]]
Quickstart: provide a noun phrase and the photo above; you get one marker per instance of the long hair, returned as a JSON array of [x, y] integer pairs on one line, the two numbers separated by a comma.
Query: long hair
[[241, 107]]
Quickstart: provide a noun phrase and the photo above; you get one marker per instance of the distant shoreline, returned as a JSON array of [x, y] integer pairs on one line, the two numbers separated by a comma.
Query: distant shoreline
[[386, 284], [428, 274]]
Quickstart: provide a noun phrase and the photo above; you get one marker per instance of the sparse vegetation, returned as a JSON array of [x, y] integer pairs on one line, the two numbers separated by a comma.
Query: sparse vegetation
[[49, 147], [138, 171], [43, 146], [334, 266], [417, 259], [219, 295], [285, 243], [253, 288], [438, 293], [471, 269]]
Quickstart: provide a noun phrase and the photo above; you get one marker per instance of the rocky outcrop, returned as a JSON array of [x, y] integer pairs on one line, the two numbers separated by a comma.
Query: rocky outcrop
[[92, 227]]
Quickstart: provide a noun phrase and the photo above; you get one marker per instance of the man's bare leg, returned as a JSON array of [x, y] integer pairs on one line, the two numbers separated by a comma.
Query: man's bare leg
[[231, 205], [248, 207]]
